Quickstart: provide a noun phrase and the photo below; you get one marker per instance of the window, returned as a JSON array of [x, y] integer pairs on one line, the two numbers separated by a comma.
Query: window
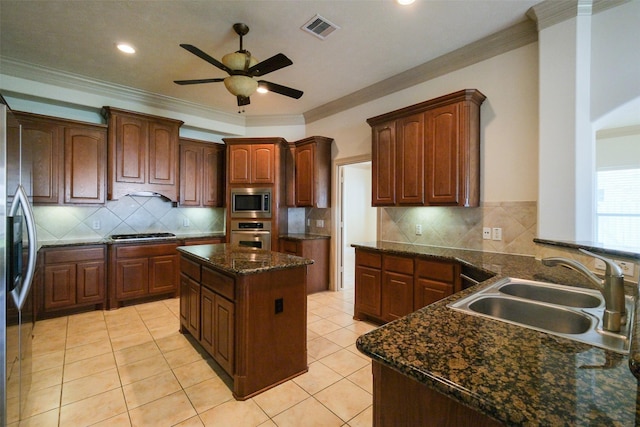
[[618, 207]]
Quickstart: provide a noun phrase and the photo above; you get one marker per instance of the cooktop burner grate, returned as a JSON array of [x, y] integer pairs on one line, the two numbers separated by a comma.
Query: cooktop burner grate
[[143, 236]]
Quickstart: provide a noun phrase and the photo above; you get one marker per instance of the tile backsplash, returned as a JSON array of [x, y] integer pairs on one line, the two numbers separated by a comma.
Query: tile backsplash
[[130, 214]]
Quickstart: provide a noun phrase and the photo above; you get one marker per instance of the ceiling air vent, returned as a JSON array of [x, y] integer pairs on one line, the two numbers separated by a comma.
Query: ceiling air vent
[[320, 27]]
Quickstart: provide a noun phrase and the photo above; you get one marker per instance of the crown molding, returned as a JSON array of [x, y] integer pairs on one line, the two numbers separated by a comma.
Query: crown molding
[[552, 12], [503, 41]]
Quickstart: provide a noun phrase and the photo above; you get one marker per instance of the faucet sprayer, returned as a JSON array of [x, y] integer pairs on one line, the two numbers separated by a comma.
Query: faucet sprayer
[[612, 288]]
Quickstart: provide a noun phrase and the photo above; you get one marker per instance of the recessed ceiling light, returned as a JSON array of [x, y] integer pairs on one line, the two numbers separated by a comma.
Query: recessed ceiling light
[[126, 48], [404, 2]]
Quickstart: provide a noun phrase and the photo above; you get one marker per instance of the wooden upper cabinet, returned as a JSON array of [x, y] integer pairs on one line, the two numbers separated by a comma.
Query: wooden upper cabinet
[[85, 151], [428, 154], [263, 164], [142, 154], [68, 159], [201, 173], [312, 177], [383, 165], [251, 160]]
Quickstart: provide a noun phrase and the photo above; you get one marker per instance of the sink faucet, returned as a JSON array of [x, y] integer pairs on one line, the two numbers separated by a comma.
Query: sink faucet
[[612, 288]]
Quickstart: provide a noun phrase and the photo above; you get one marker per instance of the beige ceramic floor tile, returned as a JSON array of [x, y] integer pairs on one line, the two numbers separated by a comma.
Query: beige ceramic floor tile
[[45, 419], [363, 419], [87, 338], [122, 342], [136, 326], [280, 398], [150, 389], [91, 385], [136, 353], [90, 366], [93, 409], [268, 423], [166, 411], [46, 378], [142, 369], [164, 331], [86, 351], [174, 342], [234, 413], [121, 420], [194, 373], [309, 413], [345, 399], [191, 422], [47, 361], [40, 401], [183, 356], [162, 321], [342, 319], [321, 347], [325, 311], [152, 309], [362, 327], [208, 394], [344, 362], [343, 337], [323, 327], [363, 378], [44, 343], [317, 378]]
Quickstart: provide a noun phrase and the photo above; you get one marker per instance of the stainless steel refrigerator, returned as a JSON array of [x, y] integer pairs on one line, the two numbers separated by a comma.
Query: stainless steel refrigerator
[[18, 251]]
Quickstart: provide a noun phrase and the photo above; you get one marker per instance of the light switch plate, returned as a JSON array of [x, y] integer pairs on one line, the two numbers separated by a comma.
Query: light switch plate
[[418, 229], [496, 233]]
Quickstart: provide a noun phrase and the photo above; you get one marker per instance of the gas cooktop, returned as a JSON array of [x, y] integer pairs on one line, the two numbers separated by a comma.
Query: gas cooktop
[[143, 236]]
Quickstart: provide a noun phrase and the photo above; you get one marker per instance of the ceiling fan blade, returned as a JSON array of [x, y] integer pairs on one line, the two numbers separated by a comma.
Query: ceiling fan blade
[[269, 65], [206, 57], [282, 90], [197, 81], [243, 100]]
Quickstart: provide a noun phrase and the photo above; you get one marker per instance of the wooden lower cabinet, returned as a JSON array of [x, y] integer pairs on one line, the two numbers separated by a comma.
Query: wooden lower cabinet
[[73, 278], [217, 314], [318, 251], [402, 401], [391, 286], [143, 270]]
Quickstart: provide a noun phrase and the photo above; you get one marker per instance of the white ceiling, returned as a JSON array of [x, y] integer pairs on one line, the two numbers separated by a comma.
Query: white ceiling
[[377, 40]]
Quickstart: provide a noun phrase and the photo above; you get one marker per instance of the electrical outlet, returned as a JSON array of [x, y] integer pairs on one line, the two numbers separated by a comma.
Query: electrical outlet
[[627, 267], [320, 223], [418, 229], [486, 233], [496, 233], [308, 222], [96, 224], [185, 222]]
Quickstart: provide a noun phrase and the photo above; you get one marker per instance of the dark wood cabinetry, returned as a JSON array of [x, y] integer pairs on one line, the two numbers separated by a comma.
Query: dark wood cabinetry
[[428, 154], [312, 172], [141, 270], [69, 159], [201, 173], [73, 278], [318, 251], [391, 286], [142, 154]]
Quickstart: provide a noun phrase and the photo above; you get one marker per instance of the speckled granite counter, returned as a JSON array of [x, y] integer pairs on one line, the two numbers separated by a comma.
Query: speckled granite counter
[[107, 241], [515, 375], [304, 236], [241, 261]]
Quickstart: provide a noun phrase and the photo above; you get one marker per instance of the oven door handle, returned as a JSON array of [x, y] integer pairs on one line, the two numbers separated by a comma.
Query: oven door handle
[[20, 294]]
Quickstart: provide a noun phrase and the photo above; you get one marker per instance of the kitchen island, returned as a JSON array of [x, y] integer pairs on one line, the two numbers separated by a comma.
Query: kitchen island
[[437, 366], [248, 310]]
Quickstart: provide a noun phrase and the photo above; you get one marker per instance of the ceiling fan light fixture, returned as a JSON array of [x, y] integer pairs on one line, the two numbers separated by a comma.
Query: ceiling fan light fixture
[[239, 61], [262, 89], [126, 48], [241, 85]]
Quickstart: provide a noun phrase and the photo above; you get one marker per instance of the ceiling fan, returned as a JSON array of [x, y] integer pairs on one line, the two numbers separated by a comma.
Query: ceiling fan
[[242, 68]]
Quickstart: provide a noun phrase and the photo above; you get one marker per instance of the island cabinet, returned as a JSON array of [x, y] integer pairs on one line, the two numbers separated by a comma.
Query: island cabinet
[[69, 159], [428, 154], [251, 163], [315, 248], [74, 277], [388, 287], [139, 271], [311, 163], [201, 174], [142, 154], [247, 309]]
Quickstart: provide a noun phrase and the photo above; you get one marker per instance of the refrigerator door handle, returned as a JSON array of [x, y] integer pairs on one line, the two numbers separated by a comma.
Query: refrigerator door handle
[[21, 199]]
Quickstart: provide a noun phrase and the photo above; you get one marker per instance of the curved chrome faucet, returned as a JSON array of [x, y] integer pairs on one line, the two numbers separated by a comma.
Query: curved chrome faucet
[[612, 288]]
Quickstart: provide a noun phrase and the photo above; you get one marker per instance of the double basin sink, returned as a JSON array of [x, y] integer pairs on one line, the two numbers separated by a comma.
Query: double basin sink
[[566, 311]]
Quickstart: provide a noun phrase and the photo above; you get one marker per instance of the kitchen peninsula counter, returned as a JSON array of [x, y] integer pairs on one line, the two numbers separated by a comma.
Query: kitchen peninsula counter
[[248, 309], [511, 374]]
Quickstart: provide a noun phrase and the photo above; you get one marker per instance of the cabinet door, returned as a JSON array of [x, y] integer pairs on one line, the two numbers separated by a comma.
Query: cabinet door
[[44, 141], [223, 316], [59, 286], [262, 164], [184, 303], [212, 176], [84, 165], [190, 175], [207, 319], [240, 164], [410, 160], [163, 274], [397, 295], [90, 282], [132, 277], [429, 291], [132, 135], [190, 305], [442, 155], [163, 153], [304, 182], [368, 286], [383, 165]]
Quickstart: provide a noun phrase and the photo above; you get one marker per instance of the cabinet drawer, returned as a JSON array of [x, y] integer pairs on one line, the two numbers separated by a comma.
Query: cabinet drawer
[[219, 283], [444, 271], [398, 264], [74, 255], [368, 259], [190, 268], [289, 246], [145, 250]]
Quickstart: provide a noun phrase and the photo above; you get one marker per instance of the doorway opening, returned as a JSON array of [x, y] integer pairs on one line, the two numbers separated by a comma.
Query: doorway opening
[[357, 220]]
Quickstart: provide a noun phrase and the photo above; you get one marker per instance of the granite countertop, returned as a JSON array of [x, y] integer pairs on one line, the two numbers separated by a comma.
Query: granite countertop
[[107, 241], [241, 261], [304, 236], [513, 374]]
